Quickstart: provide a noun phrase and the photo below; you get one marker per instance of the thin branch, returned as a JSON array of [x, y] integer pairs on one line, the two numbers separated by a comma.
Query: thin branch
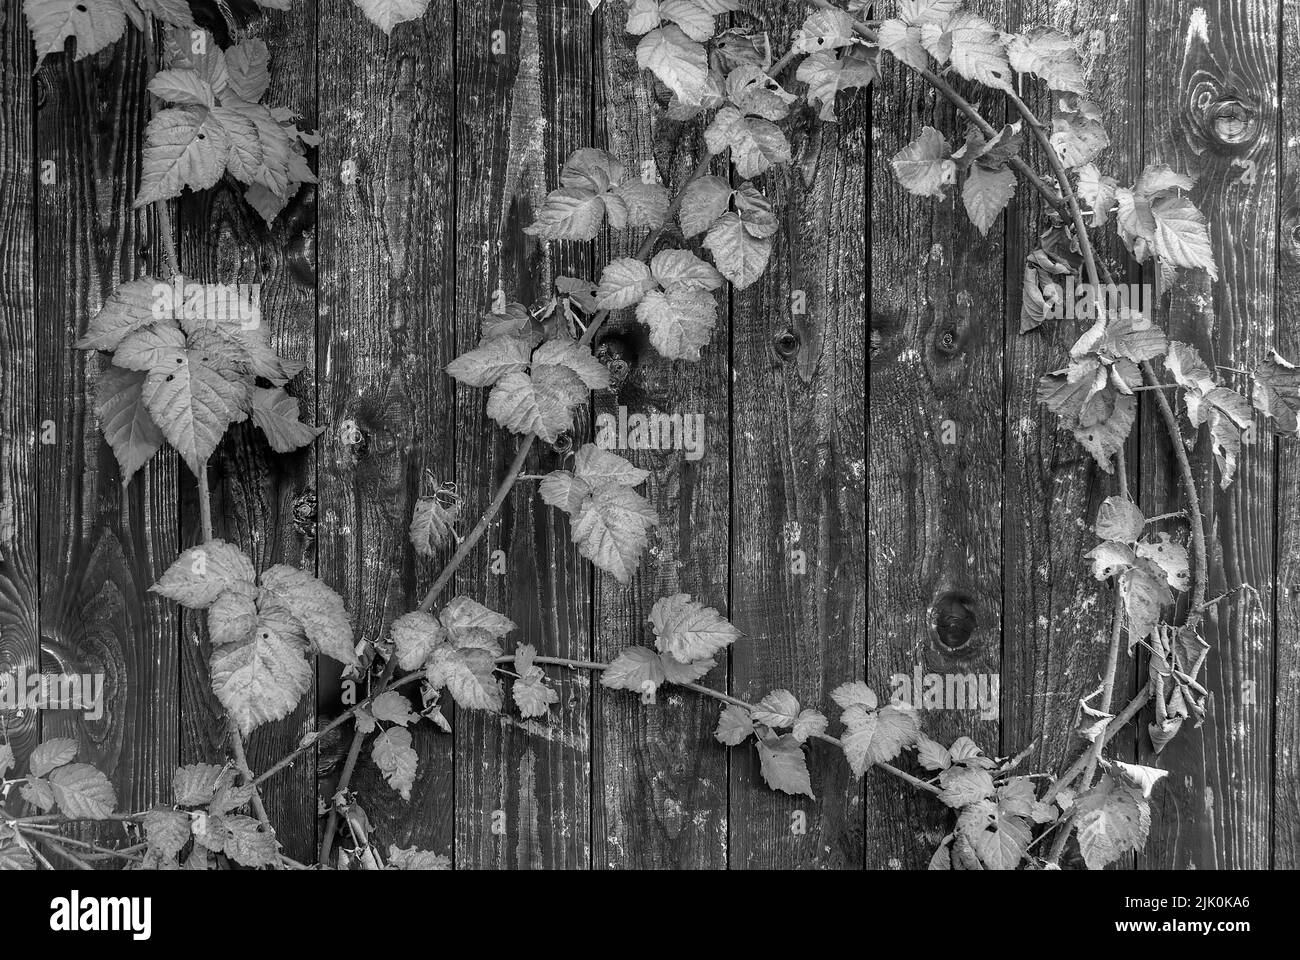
[[161, 211]]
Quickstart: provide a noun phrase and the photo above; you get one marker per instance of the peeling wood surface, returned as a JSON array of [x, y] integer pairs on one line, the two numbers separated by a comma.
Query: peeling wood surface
[[935, 505]]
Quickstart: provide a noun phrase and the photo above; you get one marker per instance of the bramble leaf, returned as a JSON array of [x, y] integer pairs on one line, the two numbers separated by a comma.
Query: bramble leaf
[[977, 51], [540, 402], [756, 144], [203, 573], [316, 606], [491, 360], [703, 202], [739, 254], [261, 678], [784, 766], [734, 725], [1111, 819], [183, 147], [50, 754], [1118, 518], [396, 759], [612, 529], [924, 167], [276, 413], [986, 194], [432, 525], [678, 61], [1049, 54], [414, 636], [778, 709], [93, 23], [687, 630], [1276, 393], [386, 14], [633, 669], [125, 420], [680, 322], [82, 792]]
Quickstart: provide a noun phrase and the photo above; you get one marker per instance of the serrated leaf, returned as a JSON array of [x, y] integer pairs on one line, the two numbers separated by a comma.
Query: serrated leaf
[[573, 357], [386, 14], [194, 784], [931, 754], [682, 270], [612, 530], [463, 617], [646, 204], [1276, 393], [415, 635], [734, 725], [927, 11], [1144, 589], [854, 693], [248, 69], [703, 202], [316, 606], [962, 785], [977, 51], [1138, 776], [82, 792], [828, 73], [1118, 518], [756, 144], [1182, 236], [129, 308], [260, 149], [738, 255], [260, 679], [184, 87], [680, 322], [203, 573], [784, 766], [175, 12], [678, 672], [276, 413], [924, 167], [623, 283], [569, 213], [998, 838], [414, 859], [1110, 559], [1049, 54], [1078, 139], [633, 669], [539, 403], [809, 723], [125, 420], [562, 490], [1111, 819], [251, 843], [38, 793], [396, 759], [599, 467], [468, 675], [490, 361], [394, 708], [687, 630], [678, 61], [532, 695], [231, 618], [93, 23], [167, 830], [876, 736], [904, 42], [1170, 557], [51, 754], [184, 147], [778, 709], [432, 525], [986, 194], [825, 30]]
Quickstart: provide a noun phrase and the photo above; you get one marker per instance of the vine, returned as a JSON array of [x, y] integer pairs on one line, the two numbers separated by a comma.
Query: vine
[[176, 374]]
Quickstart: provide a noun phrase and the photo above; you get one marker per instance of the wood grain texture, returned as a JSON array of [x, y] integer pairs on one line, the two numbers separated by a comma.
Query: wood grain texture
[[1286, 718], [1057, 617], [19, 590], [524, 94], [934, 542], [1212, 102], [799, 475], [384, 335], [101, 546], [660, 777], [256, 492]]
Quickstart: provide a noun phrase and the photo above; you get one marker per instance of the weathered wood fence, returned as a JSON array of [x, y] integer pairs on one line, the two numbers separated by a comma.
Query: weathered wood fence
[[829, 514]]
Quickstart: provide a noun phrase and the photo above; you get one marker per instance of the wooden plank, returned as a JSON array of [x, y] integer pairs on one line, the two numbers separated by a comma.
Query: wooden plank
[[19, 596], [101, 547], [799, 475], [384, 336], [524, 92], [258, 494], [1286, 719], [936, 434], [1051, 600], [660, 791], [1212, 111]]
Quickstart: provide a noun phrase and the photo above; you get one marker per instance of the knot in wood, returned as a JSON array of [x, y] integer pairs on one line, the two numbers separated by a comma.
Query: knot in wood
[[1225, 121], [786, 343], [952, 620]]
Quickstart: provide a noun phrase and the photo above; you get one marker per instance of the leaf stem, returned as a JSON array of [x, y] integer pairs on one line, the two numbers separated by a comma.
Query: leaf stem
[[161, 211]]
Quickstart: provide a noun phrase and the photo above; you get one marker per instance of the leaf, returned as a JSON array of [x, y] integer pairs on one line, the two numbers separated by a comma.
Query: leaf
[[1170, 557], [1111, 820], [469, 677], [904, 42], [986, 194], [564, 491], [978, 53], [1110, 559], [432, 525], [414, 636], [647, 203], [1140, 777], [490, 361], [203, 573], [778, 709], [194, 783], [999, 839], [1145, 591], [681, 270], [175, 12], [678, 672], [276, 413], [197, 50], [827, 74], [38, 793], [734, 725], [386, 14], [1016, 797], [876, 736], [532, 695], [573, 357], [183, 87], [184, 147], [260, 148], [783, 765], [677, 60], [680, 322], [396, 759], [394, 708], [1049, 54], [633, 669], [824, 30], [1276, 393], [94, 23], [129, 308], [539, 403], [924, 167], [599, 467], [82, 792], [250, 843], [927, 11], [125, 420], [739, 256], [1118, 518], [414, 859], [1106, 437], [756, 144], [1181, 235], [611, 530], [231, 618], [318, 608], [247, 66], [51, 754], [756, 94], [623, 283], [167, 830], [687, 630], [260, 679], [1078, 138], [570, 213], [6, 759], [962, 785], [463, 617], [809, 723], [1097, 192], [931, 754], [854, 693], [703, 202]]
